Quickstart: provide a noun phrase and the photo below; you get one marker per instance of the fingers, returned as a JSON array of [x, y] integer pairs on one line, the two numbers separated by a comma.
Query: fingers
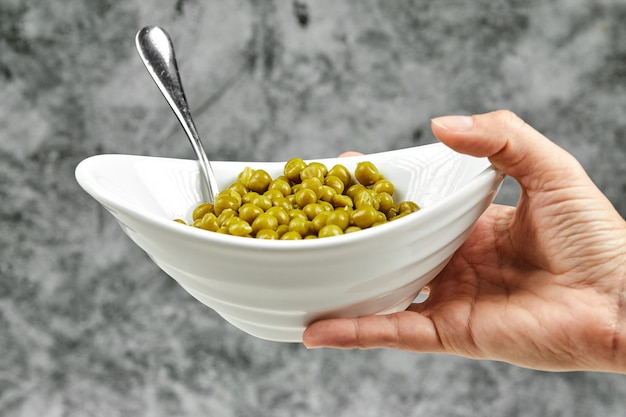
[[513, 146], [350, 153], [405, 330]]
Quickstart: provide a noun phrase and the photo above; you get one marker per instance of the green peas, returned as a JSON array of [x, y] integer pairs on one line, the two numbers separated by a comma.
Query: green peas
[[342, 173], [330, 230], [280, 214], [249, 212], [209, 222], [306, 202], [201, 210], [305, 196], [291, 235], [292, 170], [383, 186], [364, 217], [335, 183], [312, 171], [227, 199], [339, 218], [263, 202], [267, 234], [385, 202], [264, 221], [280, 185], [299, 225], [240, 228], [313, 184], [259, 181], [341, 200], [366, 173]]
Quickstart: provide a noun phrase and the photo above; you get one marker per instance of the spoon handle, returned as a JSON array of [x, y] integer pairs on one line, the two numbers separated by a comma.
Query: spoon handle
[[157, 53]]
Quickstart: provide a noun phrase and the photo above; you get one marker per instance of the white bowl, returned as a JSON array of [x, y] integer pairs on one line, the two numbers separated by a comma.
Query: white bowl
[[273, 289]]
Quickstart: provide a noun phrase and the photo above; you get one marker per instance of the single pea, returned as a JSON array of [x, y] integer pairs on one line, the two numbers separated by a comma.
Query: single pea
[[259, 181], [341, 200], [310, 237], [224, 215], [312, 171], [366, 198], [383, 186], [313, 209], [319, 221], [240, 228], [282, 202], [280, 185], [239, 188], [230, 221], [385, 202], [322, 168], [293, 213], [326, 206], [305, 196], [280, 214], [341, 172], [354, 190], [300, 225], [249, 197], [330, 230], [339, 218], [313, 184], [201, 210], [273, 194], [364, 217], [264, 221], [398, 216], [249, 212], [407, 207], [267, 234], [282, 229], [245, 175], [181, 221], [291, 235], [327, 193], [225, 201], [209, 222], [366, 173], [352, 229], [292, 169], [380, 218], [262, 201], [392, 213], [335, 183]]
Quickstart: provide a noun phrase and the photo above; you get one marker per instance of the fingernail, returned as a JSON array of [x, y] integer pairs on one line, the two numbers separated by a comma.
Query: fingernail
[[454, 123]]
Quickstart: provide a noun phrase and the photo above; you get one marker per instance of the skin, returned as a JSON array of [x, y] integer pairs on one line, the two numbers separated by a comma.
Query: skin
[[541, 285]]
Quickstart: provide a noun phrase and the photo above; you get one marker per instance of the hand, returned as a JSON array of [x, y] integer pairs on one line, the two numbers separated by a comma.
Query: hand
[[542, 285]]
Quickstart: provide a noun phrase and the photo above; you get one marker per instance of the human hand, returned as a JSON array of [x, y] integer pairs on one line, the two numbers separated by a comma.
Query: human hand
[[542, 285]]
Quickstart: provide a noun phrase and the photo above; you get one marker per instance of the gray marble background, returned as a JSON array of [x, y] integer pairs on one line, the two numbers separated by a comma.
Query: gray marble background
[[90, 327]]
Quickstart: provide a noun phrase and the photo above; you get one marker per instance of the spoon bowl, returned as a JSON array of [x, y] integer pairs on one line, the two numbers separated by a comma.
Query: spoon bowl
[[274, 289]]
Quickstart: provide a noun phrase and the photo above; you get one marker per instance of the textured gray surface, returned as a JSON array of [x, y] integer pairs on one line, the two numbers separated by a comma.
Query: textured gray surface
[[90, 327]]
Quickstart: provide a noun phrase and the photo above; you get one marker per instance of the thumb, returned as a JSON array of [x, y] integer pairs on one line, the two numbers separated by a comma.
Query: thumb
[[512, 146]]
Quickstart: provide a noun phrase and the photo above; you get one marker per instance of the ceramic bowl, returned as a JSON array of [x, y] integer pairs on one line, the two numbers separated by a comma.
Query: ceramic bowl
[[273, 289]]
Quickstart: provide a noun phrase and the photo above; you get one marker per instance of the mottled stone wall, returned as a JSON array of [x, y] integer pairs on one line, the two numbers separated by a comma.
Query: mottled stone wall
[[90, 327]]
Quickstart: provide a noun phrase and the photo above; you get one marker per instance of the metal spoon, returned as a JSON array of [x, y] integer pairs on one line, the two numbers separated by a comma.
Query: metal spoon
[[157, 53]]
